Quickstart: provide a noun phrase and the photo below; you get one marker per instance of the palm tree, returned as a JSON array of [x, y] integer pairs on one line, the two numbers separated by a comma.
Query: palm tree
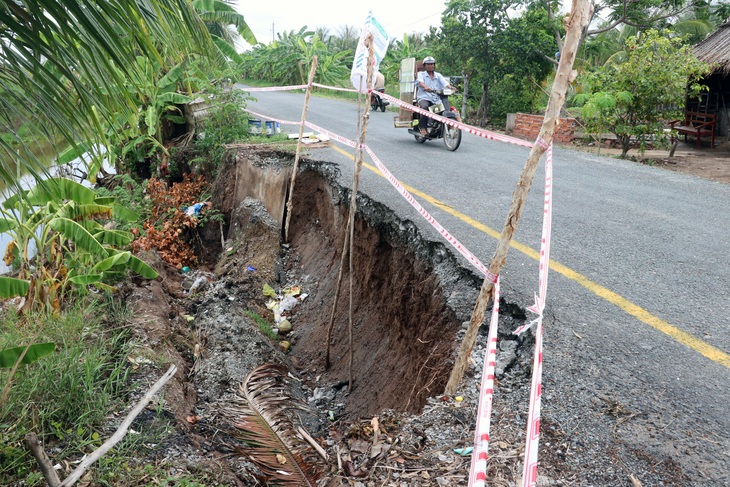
[[225, 25], [69, 68]]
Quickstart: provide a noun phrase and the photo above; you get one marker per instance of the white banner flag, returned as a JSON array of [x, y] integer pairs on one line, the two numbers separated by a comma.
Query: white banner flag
[[359, 73]]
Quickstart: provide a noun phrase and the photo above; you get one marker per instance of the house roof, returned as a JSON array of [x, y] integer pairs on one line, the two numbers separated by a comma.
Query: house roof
[[715, 49]]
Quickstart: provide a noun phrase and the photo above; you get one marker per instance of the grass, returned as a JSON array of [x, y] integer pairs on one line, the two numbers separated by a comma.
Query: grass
[[264, 326], [67, 397]]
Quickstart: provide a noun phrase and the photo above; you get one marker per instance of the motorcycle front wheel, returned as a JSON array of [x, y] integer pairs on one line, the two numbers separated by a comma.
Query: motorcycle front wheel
[[452, 137], [382, 107]]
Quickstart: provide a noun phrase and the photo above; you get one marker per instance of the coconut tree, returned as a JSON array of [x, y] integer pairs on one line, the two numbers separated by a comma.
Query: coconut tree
[[62, 60], [226, 26]]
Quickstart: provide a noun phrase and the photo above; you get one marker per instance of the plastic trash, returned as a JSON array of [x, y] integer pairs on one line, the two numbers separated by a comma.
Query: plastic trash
[[269, 291], [194, 210], [250, 268], [288, 302]]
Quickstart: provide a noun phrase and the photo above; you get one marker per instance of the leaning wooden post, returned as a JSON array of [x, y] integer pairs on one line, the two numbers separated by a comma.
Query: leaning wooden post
[[289, 204], [353, 199], [574, 24], [347, 243]]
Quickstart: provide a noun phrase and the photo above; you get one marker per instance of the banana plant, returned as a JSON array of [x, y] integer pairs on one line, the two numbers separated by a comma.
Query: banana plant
[[61, 220]]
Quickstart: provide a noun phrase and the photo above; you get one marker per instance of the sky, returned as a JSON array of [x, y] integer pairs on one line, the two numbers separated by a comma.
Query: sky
[[398, 17]]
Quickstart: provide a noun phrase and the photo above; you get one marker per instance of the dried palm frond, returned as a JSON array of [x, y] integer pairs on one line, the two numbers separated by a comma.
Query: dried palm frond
[[260, 417]]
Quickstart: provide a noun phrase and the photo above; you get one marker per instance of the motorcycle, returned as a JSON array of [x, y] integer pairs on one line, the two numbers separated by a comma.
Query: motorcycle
[[377, 102], [436, 129]]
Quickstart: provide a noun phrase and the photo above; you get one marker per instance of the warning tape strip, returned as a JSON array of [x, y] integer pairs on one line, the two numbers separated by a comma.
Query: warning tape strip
[[276, 88], [283, 122], [453, 123], [478, 471], [532, 436], [337, 88]]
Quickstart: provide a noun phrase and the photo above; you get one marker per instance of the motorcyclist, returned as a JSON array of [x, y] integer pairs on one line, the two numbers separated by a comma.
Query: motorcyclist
[[429, 82]]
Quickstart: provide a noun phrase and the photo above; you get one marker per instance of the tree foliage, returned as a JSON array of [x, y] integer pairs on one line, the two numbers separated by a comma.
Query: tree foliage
[[287, 60], [635, 98]]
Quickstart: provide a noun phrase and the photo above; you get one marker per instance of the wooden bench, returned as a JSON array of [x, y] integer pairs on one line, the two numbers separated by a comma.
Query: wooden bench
[[697, 124]]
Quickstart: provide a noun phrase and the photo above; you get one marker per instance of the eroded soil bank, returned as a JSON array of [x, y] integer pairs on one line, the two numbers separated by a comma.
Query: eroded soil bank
[[411, 299]]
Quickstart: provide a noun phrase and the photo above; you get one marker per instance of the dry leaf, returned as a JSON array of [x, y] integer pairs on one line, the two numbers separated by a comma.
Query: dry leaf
[[634, 481], [425, 475], [193, 419], [281, 459], [577, 335], [375, 424]]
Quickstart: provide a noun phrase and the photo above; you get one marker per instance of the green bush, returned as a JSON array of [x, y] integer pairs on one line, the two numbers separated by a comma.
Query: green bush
[[226, 123]]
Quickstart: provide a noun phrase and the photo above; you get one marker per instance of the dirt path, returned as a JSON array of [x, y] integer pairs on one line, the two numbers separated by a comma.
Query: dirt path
[[704, 162]]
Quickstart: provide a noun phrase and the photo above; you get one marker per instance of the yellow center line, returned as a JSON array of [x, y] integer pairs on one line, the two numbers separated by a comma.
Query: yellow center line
[[704, 348]]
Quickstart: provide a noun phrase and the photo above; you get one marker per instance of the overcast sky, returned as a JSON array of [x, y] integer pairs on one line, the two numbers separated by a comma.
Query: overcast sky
[[396, 16]]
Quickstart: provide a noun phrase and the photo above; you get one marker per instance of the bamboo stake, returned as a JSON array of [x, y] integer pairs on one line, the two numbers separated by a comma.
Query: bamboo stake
[[289, 204], [574, 24], [347, 244], [353, 199]]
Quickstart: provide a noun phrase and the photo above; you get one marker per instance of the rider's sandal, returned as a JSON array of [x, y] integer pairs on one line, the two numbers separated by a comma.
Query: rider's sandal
[[424, 132]]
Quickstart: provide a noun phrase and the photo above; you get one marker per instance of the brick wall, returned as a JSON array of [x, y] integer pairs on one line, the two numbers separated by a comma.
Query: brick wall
[[528, 127]]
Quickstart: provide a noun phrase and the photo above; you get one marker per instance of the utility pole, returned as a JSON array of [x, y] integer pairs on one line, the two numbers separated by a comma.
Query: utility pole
[[272, 32]]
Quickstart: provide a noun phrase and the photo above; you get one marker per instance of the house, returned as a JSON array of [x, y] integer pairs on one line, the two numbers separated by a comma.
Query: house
[[715, 50]]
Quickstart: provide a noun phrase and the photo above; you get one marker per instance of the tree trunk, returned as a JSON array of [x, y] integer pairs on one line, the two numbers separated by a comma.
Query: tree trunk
[[464, 97]]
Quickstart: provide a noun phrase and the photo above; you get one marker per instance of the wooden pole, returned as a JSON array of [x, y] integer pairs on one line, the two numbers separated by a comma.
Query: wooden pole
[[347, 245], [574, 23], [353, 199], [289, 204]]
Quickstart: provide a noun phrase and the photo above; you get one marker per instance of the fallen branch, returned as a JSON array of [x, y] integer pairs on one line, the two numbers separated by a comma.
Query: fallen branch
[[121, 432], [35, 447]]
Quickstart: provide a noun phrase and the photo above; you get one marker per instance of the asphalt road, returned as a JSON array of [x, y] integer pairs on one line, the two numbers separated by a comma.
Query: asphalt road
[[637, 306]]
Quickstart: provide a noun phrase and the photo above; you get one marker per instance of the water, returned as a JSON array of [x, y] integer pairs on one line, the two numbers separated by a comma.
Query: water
[[45, 155]]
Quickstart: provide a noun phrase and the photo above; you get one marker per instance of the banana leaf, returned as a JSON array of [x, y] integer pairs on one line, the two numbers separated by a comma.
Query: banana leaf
[[7, 224], [9, 357], [11, 287], [119, 258], [78, 234], [60, 189], [86, 279]]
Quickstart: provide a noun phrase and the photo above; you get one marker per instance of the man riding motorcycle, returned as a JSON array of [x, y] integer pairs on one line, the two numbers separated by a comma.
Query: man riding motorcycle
[[429, 83]]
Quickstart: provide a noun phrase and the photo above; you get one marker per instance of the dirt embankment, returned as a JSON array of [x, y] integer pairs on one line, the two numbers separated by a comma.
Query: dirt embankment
[[410, 301]]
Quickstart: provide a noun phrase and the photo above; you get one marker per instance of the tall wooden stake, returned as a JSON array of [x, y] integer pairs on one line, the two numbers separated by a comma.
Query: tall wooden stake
[[348, 245], [289, 204], [353, 199], [574, 24]]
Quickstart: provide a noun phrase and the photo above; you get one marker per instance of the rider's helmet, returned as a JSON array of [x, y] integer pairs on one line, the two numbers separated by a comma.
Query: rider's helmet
[[429, 60]]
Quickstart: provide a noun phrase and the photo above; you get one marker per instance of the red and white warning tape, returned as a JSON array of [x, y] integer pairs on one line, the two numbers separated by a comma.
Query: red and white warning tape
[[337, 88], [532, 437], [453, 123], [478, 472]]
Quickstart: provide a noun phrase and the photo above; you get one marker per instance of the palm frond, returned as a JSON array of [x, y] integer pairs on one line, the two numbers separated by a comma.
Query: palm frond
[[261, 418]]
